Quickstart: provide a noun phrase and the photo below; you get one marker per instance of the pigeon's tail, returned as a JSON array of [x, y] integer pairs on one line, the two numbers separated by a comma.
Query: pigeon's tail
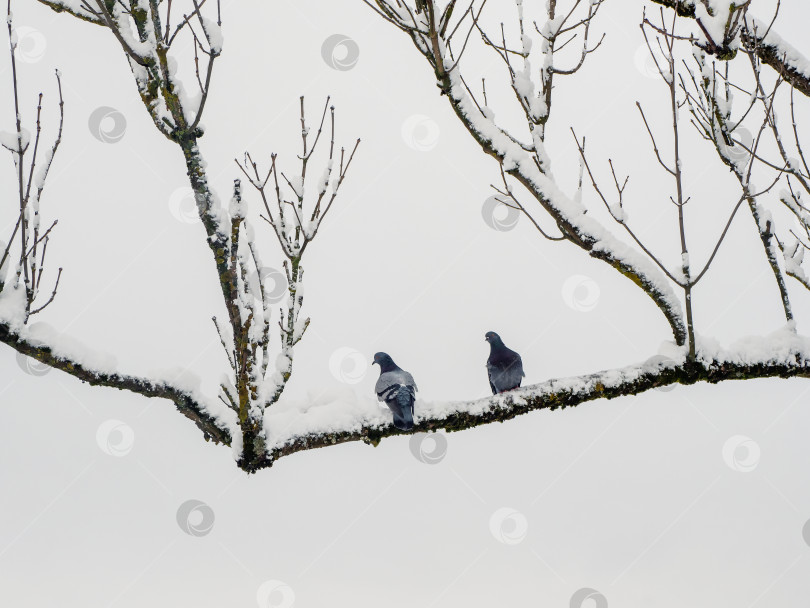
[[403, 414]]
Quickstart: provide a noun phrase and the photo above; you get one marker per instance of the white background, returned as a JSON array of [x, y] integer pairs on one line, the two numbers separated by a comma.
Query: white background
[[631, 497]]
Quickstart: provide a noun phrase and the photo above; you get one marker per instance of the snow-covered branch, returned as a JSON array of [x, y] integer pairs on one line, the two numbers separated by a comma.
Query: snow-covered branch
[[248, 414], [709, 92], [77, 8], [216, 423], [148, 38], [782, 355], [21, 274], [295, 217], [529, 164], [769, 47]]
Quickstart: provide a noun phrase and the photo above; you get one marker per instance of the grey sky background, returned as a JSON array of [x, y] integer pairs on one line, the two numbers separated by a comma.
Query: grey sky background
[[631, 497]]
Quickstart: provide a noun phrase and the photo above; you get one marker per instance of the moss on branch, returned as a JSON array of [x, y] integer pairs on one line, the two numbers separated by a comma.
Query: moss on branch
[[552, 395]]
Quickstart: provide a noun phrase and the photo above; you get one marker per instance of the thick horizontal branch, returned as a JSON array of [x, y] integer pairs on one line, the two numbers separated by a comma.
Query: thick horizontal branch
[[551, 395], [769, 53], [185, 402]]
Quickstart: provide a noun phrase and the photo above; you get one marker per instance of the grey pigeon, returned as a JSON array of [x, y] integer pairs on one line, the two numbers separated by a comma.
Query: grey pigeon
[[504, 366], [397, 389]]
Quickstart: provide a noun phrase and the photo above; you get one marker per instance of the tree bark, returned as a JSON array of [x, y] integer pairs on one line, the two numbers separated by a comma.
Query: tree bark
[[552, 395], [767, 53]]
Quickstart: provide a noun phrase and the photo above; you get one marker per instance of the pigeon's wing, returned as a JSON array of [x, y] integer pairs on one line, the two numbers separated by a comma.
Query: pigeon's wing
[[410, 381], [384, 384], [397, 389], [513, 372], [490, 370], [390, 380], [505, 372], [401, 405]]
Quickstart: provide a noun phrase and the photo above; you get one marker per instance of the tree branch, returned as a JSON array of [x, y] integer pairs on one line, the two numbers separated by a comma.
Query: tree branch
[[552, 395], [186, 403], [768, 52], [61, 7]]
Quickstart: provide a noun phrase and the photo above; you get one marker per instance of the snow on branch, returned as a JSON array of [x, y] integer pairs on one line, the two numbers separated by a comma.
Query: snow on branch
[[148, 32], [782, 354], [295, 218], [22, 257], [761, 38], [77, 8], [433, 32], [248, 415], [739, 133], [216, 423], [22, 262]]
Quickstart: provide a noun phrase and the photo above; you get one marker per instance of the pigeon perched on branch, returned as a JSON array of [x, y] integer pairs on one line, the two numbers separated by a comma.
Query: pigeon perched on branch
[[397, 389], [504, 366]]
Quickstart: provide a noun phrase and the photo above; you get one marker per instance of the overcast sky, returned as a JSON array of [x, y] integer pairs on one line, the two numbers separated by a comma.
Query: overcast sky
[[695, 496]]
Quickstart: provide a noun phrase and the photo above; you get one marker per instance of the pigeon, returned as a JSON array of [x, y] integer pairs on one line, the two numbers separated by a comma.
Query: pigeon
[[504, 366], [397, 389]]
